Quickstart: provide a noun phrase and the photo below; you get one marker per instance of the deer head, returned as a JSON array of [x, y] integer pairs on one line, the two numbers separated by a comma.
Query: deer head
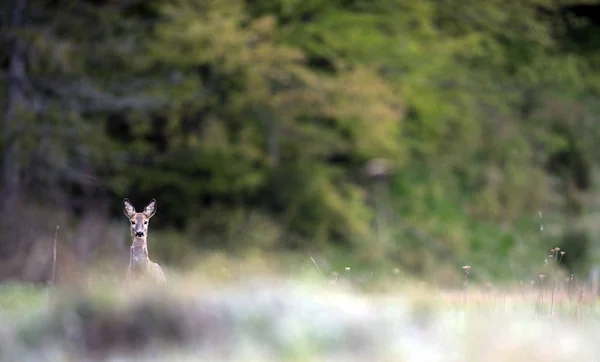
[[139, 220]]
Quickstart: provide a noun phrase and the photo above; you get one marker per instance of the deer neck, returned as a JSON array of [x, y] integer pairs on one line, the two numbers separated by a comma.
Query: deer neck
[[139, 250]]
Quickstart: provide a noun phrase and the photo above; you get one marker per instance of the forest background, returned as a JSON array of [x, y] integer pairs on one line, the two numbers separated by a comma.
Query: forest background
[[411, 137]]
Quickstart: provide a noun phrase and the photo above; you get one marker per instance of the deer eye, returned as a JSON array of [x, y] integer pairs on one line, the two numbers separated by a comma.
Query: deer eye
[[145, 222], [133, 223]]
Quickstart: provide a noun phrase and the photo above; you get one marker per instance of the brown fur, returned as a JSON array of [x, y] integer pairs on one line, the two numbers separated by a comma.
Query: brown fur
[[140, 265]]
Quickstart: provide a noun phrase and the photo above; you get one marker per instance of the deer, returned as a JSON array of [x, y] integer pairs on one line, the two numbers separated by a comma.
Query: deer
[[140, 265]]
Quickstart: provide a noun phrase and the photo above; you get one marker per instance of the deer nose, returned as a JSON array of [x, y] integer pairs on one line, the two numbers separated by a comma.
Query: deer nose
[[139, 234]]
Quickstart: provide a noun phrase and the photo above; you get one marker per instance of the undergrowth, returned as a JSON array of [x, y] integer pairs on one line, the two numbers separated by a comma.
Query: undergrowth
[[254, 308]]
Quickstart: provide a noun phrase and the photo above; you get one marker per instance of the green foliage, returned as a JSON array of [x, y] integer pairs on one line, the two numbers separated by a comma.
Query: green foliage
[[241, 116]]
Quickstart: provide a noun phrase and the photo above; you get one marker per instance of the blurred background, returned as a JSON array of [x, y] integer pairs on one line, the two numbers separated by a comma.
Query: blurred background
[[391, 137]]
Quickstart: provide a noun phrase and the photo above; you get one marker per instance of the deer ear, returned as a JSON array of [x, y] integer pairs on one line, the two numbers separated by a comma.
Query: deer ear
[[150, 209], [128, 208]]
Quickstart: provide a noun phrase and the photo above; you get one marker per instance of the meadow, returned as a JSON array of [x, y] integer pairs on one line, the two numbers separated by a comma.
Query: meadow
[[253, 310], [336, 180]]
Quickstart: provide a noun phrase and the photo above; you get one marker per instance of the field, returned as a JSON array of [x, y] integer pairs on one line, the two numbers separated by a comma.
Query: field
[[332, 180], [260, 315]]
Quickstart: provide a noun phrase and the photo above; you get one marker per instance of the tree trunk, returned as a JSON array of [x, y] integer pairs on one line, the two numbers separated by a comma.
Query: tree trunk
[[16, 103]]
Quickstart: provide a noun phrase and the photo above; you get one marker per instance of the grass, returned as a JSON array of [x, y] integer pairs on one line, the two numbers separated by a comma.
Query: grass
[[18, 298], [251, 310]]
